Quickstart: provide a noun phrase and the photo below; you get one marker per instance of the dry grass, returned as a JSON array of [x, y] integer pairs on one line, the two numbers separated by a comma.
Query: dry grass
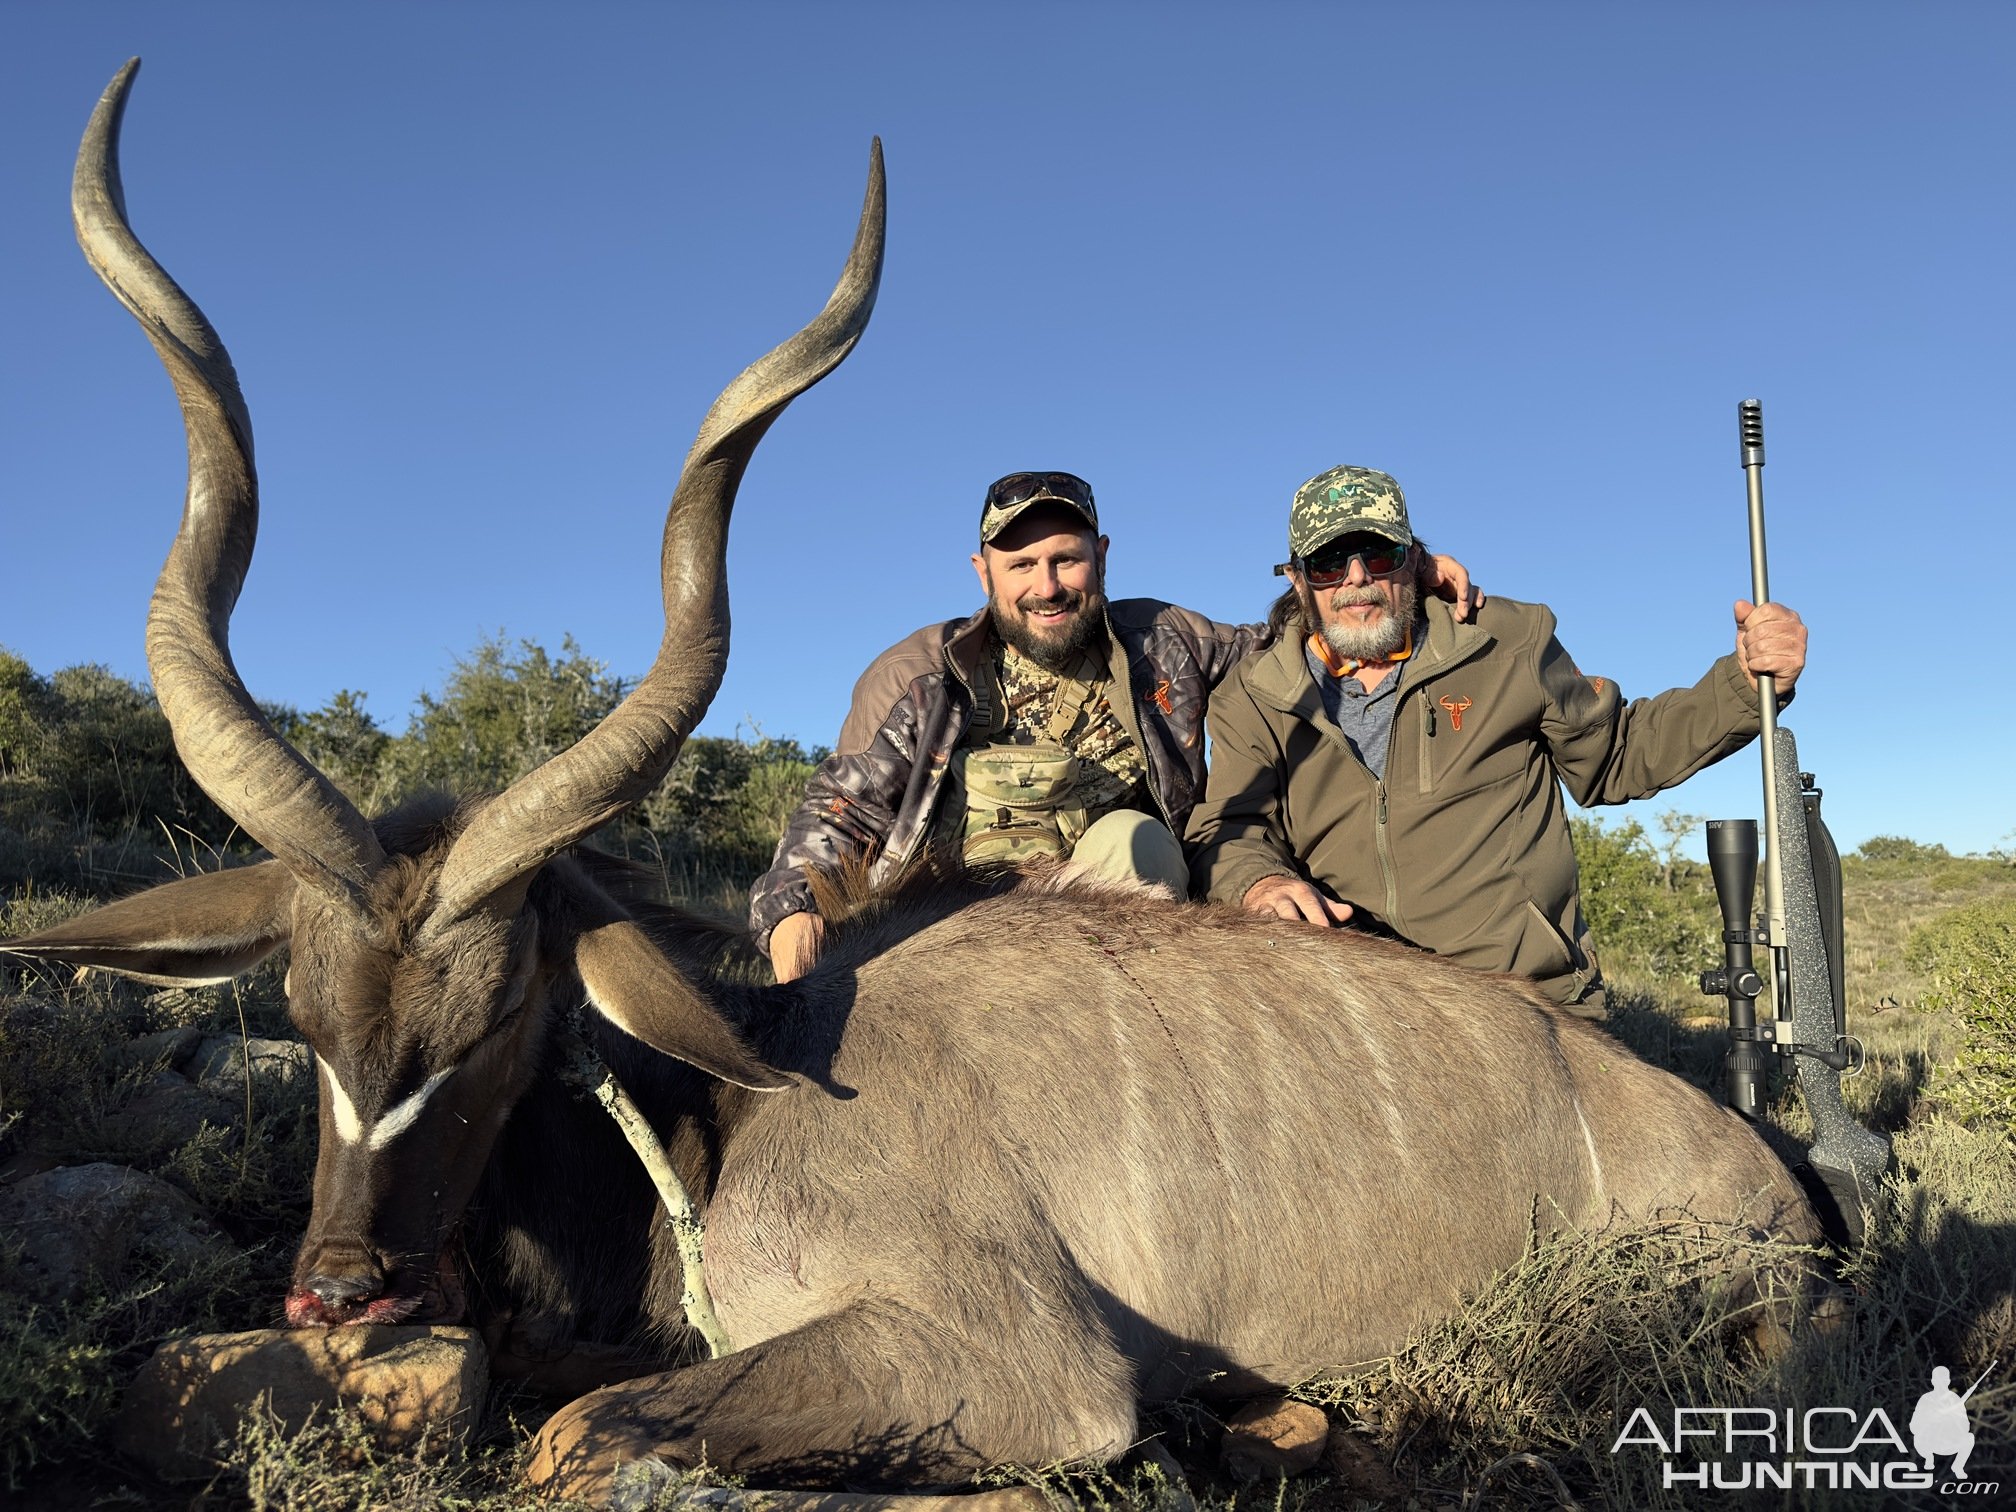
[[1883, 901], [335, 1465], [1513, 1403], [1553, 1359]]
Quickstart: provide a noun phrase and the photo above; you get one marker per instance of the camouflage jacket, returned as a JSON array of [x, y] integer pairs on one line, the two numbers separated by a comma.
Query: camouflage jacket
[[1463, 847], [877, 796]]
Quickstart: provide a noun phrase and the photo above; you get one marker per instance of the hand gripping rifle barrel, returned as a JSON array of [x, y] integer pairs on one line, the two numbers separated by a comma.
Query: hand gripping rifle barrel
[[1801, 930]]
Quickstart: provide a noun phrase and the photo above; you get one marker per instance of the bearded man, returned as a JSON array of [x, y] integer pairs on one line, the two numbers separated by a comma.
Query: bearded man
[[1052, 723], [1390, 766]]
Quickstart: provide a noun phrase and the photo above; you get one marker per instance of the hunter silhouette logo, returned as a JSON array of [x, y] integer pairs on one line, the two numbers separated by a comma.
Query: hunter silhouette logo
[[1939, 1422], [1814, 1448], [1161, 696], [1455, 706]]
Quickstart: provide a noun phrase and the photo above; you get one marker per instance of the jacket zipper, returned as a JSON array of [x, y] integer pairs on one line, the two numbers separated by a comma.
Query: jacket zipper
[[1427, 763], [1386, 862]]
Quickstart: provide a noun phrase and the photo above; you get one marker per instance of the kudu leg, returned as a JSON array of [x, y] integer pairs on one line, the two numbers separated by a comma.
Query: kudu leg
[[874, 1394]]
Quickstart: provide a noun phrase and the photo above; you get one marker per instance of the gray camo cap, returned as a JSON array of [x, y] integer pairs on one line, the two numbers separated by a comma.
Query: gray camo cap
[[1009, 497], [1345, 500]]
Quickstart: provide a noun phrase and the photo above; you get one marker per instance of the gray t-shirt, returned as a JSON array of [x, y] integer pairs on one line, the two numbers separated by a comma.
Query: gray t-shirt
[[1365, 718]]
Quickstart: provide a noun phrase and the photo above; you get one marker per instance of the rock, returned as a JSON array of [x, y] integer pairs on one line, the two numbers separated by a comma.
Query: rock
[[167, 1050], [218, 1063], [25, 1163], [1273, 1437], [168, 1112], [77, 1220], [406, 1383]]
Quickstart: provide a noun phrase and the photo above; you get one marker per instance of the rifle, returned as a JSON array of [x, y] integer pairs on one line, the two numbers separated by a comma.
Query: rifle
[[1977, 1382], [1800, 932]]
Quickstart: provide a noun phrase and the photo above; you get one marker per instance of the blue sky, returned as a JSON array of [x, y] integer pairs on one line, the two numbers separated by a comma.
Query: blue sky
[[483, 267]]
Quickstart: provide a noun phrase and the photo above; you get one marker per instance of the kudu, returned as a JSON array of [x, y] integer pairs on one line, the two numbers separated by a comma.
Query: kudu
[[1004, 1165]]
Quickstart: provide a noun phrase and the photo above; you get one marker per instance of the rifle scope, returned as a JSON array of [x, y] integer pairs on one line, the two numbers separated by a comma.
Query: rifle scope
[[1732, 858]]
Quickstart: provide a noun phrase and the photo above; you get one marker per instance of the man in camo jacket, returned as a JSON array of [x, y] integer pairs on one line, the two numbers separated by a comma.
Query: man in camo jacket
[[1048, 661]]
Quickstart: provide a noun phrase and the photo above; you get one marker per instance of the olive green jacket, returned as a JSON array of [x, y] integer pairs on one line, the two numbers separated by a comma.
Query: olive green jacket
[[1463, 848]]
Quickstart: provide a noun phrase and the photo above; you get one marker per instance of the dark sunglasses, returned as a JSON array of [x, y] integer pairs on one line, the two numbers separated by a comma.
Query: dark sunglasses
[[1020, 488], [1332, 565]]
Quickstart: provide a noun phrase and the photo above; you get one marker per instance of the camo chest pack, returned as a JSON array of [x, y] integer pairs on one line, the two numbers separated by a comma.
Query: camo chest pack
[[1024, 799]]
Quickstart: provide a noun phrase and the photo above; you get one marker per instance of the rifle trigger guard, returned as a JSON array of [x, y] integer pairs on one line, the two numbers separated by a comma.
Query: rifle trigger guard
[[1846, 1055]]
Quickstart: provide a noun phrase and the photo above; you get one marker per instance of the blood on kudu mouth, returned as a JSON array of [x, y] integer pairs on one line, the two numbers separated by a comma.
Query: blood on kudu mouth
[[438, 1297]]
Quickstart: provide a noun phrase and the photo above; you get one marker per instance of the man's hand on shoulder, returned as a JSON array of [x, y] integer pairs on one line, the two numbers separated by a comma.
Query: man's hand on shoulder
[[795, 945], [1447, 578], [1292, 898], [1770, 640]]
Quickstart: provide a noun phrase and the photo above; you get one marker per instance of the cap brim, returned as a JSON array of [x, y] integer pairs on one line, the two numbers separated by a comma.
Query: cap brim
[[993, 522]]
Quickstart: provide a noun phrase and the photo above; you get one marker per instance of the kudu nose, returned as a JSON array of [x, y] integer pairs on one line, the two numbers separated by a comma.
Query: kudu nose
[[345, 1291]]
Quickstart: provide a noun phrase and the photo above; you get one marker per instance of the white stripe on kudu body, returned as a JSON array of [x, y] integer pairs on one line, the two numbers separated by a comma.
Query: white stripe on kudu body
[[1589, 1142], [350, 1126]]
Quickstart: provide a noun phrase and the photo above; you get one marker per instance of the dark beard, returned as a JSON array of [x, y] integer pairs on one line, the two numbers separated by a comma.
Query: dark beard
[[1085, 631]]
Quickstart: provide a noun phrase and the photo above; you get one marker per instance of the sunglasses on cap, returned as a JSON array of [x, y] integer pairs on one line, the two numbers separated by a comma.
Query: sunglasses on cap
[[1020, 488], [1331, 565]]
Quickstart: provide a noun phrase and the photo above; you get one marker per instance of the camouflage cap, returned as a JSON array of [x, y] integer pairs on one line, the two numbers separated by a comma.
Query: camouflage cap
[[1019, 492], [1344, 500]]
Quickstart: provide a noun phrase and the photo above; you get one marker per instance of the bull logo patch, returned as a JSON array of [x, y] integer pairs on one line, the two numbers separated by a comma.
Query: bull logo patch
[[1455, 708]]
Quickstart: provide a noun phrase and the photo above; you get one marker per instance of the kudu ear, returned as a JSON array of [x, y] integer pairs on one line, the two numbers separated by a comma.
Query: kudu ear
[[631, 984], [199, 930]]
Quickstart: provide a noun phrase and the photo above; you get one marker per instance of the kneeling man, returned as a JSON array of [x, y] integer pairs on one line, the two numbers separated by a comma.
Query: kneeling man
[[1053, 722], [1385, 764]]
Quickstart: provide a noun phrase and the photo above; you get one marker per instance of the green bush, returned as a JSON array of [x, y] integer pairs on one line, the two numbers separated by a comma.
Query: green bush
[[344, 741], [1897, 848], [724, 803], [1970, 955], [90, 785], [1653, 916], [502, 714], [93, 798]]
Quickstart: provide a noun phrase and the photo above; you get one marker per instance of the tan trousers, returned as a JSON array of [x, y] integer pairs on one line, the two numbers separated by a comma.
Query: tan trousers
[[1128, 846]]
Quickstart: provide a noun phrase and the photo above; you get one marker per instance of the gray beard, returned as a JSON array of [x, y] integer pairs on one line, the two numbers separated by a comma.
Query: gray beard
[[1086, 631], [1383, 636]]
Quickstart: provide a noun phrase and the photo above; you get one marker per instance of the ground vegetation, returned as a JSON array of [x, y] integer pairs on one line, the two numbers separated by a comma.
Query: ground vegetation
[[1516, 1401]]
